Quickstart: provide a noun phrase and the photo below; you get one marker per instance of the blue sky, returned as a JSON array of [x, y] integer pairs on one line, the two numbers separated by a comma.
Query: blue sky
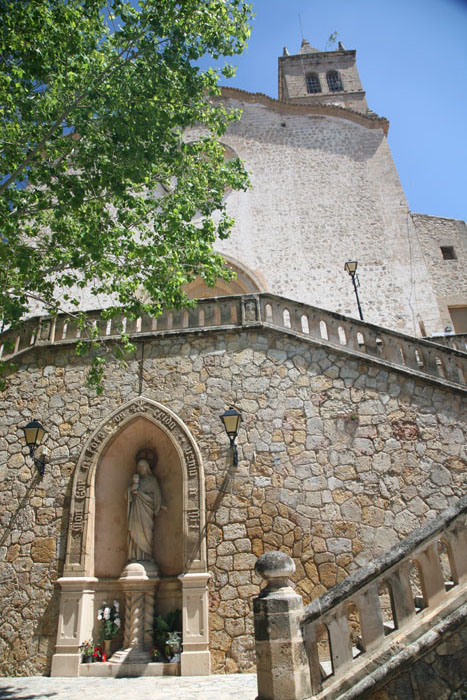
[[412, 60]]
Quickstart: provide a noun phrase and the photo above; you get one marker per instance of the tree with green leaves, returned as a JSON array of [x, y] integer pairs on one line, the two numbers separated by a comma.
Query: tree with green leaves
[[112, 177]]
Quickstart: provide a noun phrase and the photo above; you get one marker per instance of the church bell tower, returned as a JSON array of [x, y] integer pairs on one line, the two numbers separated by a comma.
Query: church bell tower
[[324, 77]]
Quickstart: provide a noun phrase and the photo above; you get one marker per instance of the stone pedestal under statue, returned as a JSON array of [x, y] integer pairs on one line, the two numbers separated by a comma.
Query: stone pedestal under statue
[[139, 580]]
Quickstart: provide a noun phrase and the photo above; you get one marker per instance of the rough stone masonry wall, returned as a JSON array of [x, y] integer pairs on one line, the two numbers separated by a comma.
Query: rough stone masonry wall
[[448, 277], [338, 460]]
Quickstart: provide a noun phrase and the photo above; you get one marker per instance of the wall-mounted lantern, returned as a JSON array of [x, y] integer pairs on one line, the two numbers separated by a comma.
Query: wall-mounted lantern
[[351, 267], [34, 433], [231, 420]]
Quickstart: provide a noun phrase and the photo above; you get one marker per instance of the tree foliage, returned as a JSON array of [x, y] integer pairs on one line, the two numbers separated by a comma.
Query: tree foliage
[[111, 171]]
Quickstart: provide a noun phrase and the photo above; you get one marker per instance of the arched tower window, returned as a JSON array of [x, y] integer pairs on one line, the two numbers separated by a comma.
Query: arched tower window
[[334, 81], [312, 83]]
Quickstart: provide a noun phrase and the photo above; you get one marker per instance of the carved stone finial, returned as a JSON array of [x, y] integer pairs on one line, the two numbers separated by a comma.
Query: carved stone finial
[[276, 568]]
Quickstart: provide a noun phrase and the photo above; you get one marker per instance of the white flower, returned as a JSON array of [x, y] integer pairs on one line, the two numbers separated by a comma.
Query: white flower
[[116, 605], [117, 621], [99, 615], [107, 613]]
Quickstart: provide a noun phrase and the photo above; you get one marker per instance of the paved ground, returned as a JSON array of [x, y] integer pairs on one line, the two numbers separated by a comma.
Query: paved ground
[[240, 686]]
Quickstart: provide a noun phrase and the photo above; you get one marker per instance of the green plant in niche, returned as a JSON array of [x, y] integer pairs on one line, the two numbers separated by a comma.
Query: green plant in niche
[[167, 630]]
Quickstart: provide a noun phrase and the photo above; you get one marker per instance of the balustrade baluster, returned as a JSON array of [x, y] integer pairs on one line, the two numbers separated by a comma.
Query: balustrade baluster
[[339, 639], [431, 576], [208, 315], [333, 332], [277, 315], [146, 323], [296, 318], [456, 539], [311, 647], [371, 618], [430, 364], [225, 313], [177, 318], [402, 599]]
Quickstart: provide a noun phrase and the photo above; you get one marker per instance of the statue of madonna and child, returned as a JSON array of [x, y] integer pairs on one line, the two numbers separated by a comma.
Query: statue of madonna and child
[[141, 575], [144, 504]]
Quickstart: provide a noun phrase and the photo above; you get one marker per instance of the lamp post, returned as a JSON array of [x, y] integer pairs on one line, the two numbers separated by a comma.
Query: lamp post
[[351, 267], [231, 420], [33, 433]]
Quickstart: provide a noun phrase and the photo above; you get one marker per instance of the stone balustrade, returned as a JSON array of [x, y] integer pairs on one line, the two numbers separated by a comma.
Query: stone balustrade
[[457, 341], [445, 362], [328, 624]]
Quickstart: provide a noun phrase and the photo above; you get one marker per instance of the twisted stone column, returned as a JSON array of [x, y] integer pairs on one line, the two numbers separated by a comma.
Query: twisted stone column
[[139, 581], [148, 622]]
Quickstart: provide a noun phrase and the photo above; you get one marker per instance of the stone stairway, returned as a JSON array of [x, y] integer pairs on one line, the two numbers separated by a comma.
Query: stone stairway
[[398, 623]]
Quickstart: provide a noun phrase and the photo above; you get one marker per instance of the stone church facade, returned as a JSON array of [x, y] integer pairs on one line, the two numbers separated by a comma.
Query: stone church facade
[[352, 433]]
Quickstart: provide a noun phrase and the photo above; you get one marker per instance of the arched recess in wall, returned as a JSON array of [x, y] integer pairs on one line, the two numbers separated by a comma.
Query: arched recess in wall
[[246, 282], [96, 543]]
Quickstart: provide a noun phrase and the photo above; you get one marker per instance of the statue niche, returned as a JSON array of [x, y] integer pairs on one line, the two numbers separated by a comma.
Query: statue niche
[[114, 564]]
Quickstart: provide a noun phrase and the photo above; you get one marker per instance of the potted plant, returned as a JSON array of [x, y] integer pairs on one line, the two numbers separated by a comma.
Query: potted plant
[[109, 616], [174, 644], [87, 649], [167, 637]]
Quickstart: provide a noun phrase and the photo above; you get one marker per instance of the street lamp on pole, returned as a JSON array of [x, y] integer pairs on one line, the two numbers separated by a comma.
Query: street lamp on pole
[[351, 267]]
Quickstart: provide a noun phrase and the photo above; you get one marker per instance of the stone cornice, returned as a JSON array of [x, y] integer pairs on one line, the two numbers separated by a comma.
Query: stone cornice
[[370, 121], [331, 55]]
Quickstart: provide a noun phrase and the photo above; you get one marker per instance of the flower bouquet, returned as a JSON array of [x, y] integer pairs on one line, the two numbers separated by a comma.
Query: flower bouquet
[[87, 650], [109, 615], [97, 653]]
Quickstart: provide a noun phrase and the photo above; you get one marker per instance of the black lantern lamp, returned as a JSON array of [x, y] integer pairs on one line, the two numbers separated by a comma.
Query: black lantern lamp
[[351, 267], [33, 433], [231, 420]]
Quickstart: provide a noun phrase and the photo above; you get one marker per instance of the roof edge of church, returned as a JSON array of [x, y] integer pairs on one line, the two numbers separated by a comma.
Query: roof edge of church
[[372, 121], [319, 54]]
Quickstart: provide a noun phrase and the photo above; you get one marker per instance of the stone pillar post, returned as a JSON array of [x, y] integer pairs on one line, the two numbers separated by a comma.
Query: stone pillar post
[[75, 623], [195, 659], [282, 665]]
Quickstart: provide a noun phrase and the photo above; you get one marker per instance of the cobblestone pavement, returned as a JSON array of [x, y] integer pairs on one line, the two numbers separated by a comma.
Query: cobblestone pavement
[[227, 687]]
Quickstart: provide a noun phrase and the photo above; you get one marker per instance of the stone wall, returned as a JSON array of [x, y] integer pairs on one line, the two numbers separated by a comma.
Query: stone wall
[[448, 277], [338, 460], [325, 190]]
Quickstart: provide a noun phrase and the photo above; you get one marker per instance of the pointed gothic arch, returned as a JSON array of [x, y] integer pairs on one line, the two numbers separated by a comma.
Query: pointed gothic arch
[[79, 558]]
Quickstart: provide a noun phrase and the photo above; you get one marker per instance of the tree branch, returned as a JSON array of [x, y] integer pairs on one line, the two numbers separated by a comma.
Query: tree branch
[[68, 110]]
